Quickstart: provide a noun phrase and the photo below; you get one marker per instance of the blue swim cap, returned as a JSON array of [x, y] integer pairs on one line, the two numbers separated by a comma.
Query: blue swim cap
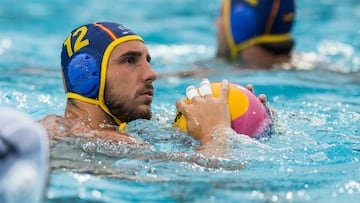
[[84, 59], [249, 22]]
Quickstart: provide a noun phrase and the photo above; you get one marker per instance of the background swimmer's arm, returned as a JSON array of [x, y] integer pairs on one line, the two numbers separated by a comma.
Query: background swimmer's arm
[[201, 68], [190, 73]]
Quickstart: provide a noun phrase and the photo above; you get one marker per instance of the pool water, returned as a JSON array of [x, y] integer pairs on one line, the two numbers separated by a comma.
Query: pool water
[[313, 157]]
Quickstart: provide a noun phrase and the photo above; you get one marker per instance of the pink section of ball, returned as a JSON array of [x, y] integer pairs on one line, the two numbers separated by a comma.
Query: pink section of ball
[[255, 120]]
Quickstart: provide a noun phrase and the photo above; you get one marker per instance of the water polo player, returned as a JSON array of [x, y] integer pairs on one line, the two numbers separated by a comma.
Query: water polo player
[[251, 34], [108, 80], [85, 59], [257, 31]]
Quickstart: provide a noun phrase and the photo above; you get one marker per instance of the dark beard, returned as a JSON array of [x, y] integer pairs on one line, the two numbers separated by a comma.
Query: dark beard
[[127, 111]]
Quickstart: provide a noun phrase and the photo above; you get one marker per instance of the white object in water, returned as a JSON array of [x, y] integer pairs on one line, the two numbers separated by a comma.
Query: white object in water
[[24, 155]]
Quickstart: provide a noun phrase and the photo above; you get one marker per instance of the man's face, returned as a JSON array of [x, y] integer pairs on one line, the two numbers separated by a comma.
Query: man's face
[[128, 90], [223, 50]]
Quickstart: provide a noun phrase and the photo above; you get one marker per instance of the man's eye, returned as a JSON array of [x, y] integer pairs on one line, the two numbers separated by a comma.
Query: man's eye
[[130, 60]]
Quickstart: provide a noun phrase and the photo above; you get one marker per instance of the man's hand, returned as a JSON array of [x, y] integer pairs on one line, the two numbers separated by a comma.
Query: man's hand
[[205, 114]]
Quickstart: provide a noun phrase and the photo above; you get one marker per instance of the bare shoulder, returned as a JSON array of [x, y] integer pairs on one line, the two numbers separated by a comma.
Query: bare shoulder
[[55, 127], [60, 128], [52, 123]]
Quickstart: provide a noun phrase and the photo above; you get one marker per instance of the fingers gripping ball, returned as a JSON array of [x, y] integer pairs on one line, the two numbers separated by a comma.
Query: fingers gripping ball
[[248, 115]]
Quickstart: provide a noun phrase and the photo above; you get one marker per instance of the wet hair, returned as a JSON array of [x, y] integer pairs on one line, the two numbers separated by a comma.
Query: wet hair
[[278, 48]]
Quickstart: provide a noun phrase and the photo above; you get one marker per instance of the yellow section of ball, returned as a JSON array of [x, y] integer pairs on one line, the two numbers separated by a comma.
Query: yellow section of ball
[[237, 100]]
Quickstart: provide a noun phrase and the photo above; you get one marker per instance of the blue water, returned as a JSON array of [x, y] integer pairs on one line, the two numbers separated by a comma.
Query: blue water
[[314, 157]]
